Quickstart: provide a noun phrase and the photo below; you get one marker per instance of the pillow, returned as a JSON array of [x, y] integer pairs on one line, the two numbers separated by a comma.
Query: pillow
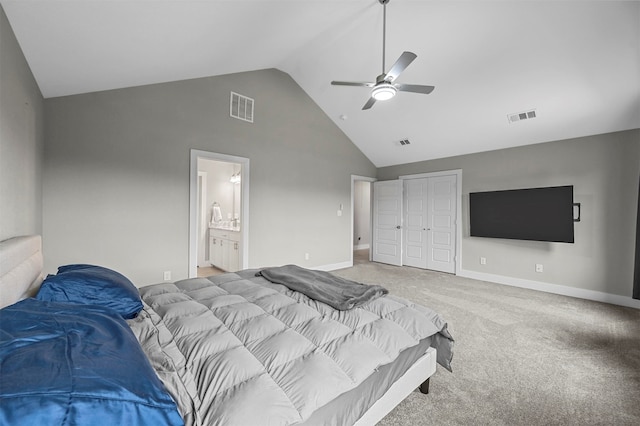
[[92, 285]]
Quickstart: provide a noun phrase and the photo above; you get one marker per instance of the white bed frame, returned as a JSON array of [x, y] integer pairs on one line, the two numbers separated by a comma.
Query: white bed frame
[[21, 274], [416, 376]]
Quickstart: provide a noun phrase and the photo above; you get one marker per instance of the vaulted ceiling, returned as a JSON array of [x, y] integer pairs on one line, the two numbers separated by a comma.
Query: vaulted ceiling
[[576, 63]]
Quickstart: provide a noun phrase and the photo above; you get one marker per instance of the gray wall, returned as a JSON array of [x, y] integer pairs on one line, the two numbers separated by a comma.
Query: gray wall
[[604, 170], [117, 174], [21, 140]]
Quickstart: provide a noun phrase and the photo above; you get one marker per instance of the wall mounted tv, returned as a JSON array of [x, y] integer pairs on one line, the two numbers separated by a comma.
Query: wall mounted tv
[[538, 214]]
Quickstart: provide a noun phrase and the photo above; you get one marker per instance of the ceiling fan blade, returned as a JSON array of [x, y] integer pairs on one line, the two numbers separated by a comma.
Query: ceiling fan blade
[[415, 88], [403, 62], [369, 103], [353, 83]]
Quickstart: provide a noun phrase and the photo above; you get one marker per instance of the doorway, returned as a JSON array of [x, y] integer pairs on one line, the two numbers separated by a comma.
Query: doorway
[[361, 190], [219, 212]]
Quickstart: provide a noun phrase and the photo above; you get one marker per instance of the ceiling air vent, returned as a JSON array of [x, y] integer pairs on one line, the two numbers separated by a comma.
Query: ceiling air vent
[[241, 107], [521, 116], [404, 142]]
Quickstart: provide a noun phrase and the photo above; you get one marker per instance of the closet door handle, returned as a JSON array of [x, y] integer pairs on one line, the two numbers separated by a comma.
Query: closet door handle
[[398, 227]]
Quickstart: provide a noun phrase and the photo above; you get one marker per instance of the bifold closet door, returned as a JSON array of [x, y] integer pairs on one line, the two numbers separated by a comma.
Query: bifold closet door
[[429, 223], [441, 223], [414, 222], [416, 218]]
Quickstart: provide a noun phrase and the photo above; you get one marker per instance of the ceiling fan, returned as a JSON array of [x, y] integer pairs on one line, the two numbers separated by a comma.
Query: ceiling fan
[[384, 87]]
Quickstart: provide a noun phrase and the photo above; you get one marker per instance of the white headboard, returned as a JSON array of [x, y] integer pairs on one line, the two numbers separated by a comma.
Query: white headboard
[[20, 268]]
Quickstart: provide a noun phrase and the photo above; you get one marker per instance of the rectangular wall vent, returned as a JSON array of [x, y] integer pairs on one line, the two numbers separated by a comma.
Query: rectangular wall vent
[[241, 107], [521, 116], [404, 142]]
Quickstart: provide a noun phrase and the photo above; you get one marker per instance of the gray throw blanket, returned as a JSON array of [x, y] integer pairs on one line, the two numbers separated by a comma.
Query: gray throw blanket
[[340, 293]]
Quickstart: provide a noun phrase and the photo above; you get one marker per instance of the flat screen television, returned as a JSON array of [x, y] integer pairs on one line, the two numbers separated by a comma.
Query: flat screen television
[[537, 214]]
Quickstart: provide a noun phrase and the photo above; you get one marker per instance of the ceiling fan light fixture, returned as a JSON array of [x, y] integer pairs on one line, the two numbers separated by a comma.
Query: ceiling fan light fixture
[[383, 92]]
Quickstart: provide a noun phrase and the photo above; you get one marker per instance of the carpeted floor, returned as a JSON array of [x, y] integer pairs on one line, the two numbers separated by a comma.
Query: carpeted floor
[[521, 357]]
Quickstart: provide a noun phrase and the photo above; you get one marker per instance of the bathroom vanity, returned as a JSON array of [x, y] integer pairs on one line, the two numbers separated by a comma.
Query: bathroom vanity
[[224, 247]]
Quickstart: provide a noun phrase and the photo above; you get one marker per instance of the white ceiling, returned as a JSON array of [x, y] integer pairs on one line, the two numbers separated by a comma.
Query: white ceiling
[[577, 63]]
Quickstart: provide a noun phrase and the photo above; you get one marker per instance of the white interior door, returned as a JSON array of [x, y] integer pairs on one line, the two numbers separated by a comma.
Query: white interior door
[[415, 223], [387, 222], [441, 223]]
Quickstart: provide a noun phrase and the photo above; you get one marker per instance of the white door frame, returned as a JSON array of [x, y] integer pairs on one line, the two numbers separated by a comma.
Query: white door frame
[[193, 206], [458, 174], [355, 178], [202, 215]]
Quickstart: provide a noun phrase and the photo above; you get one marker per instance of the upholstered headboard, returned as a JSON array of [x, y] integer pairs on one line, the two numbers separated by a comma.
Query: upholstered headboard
[[20, 268]]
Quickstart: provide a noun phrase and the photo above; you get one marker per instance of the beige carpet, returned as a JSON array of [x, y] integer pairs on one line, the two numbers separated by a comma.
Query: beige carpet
[[521, 357]]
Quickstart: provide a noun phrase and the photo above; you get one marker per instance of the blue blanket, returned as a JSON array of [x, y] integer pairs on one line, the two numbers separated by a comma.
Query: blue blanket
[[65, 364]]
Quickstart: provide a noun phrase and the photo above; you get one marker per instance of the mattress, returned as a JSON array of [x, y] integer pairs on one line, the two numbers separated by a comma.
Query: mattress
[[236, 349], [350, 406]]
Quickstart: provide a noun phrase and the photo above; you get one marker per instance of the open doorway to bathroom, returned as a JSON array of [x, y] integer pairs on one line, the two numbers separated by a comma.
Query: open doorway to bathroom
[[219, 212], [361, 222]]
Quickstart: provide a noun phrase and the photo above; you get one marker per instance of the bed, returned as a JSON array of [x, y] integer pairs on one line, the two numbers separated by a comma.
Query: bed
[[233, 349]]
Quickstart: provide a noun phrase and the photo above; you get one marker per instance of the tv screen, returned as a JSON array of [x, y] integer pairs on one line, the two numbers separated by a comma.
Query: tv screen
[[538, 214]]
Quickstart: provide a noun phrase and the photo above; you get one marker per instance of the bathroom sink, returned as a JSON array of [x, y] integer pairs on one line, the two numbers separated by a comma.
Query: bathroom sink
[[225, 226]]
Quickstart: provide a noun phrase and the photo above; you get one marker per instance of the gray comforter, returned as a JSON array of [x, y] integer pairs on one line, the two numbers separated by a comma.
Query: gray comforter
[[236, 349]]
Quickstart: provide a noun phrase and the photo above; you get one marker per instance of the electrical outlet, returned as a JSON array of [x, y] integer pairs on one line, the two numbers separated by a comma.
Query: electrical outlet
[[167, 275], [306, 256], [539, 267], [483, 260]]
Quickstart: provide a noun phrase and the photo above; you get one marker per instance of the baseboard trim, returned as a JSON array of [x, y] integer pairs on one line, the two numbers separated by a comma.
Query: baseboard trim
[[334, 266], [580, 293], [361, 246]]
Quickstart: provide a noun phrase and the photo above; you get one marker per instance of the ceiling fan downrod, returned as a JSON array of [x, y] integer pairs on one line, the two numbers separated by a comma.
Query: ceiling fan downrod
[[384, 31]]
